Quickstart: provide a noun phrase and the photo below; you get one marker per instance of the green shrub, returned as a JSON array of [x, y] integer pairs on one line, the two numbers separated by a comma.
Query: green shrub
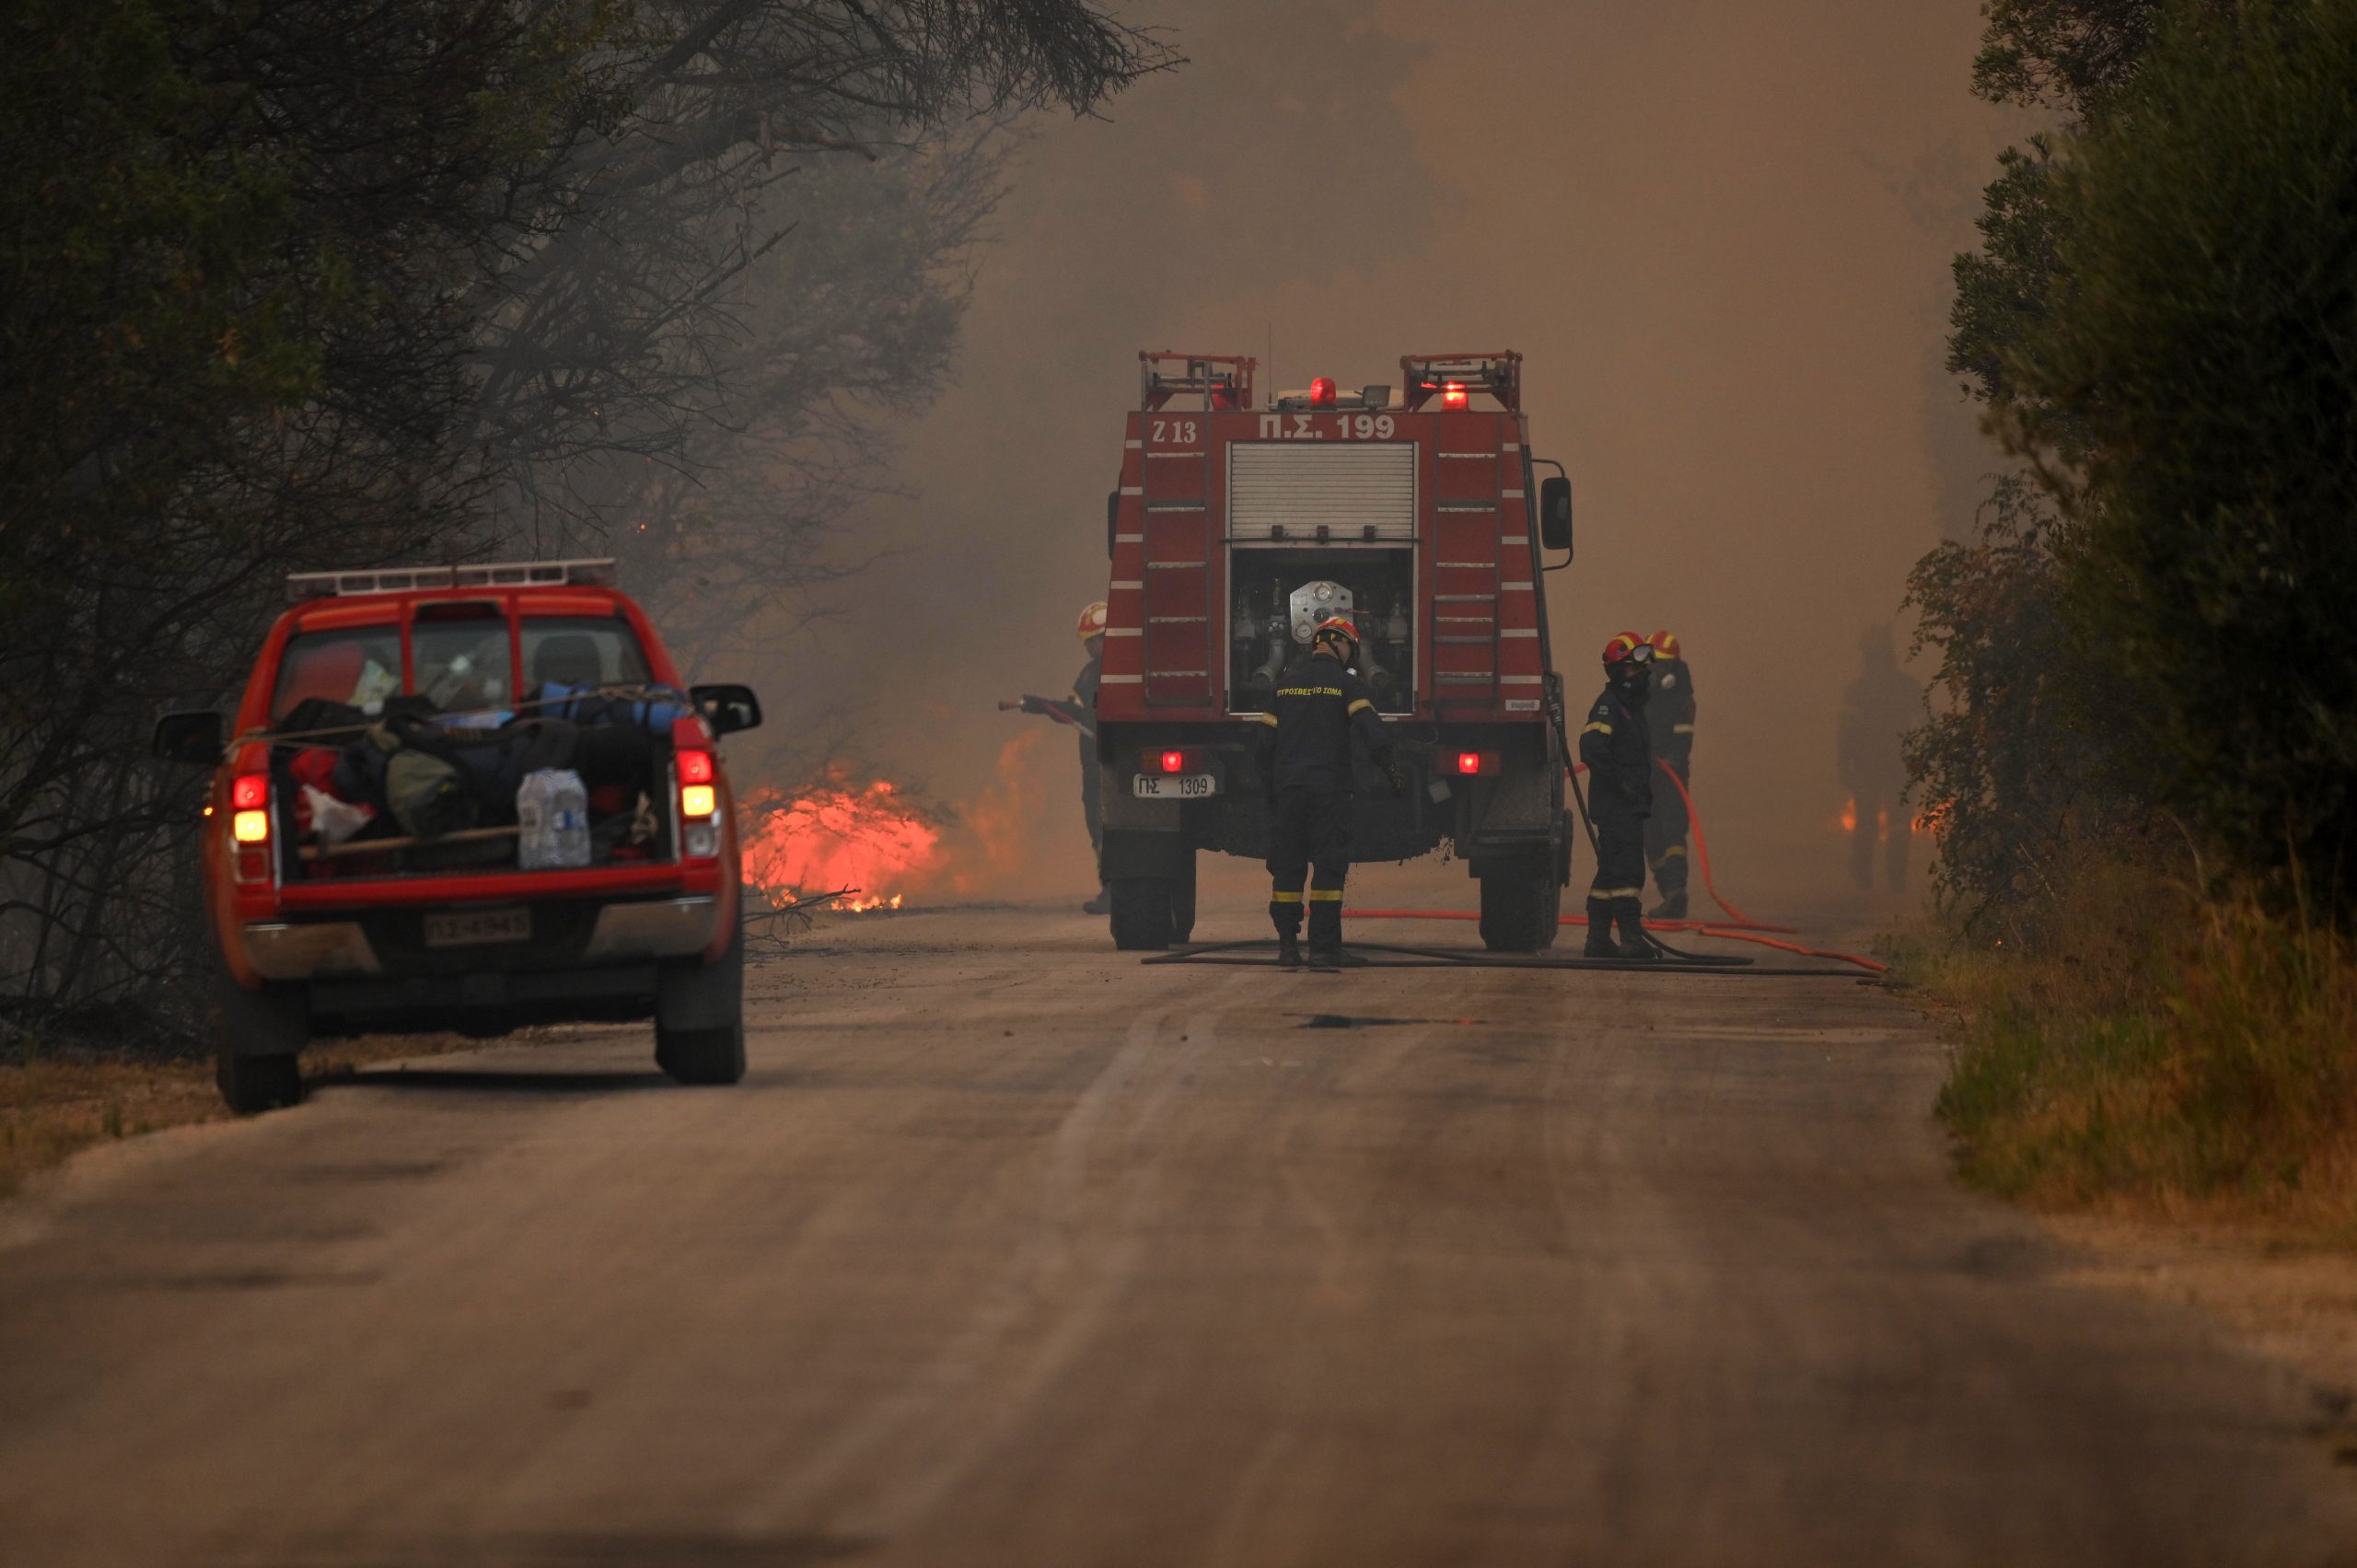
[[2193, 390]]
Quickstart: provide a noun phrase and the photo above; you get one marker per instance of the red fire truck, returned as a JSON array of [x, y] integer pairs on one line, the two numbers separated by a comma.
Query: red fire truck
[[1237, 528]]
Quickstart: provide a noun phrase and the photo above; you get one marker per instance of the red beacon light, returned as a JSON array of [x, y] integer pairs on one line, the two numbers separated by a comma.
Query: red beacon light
[[1321, 392], [1452, 394]]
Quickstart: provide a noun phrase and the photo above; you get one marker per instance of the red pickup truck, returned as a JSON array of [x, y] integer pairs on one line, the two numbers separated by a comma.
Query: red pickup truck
[[468, 797]]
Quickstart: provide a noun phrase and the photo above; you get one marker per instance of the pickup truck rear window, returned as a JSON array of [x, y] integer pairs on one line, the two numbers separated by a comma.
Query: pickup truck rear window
[[461, 661], [581, 650], [358, 665]]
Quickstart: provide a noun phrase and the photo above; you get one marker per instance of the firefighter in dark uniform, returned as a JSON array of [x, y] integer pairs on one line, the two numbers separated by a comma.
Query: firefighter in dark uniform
[[1669, 725], [1619, 765], [1305, 757], [1091, 777]]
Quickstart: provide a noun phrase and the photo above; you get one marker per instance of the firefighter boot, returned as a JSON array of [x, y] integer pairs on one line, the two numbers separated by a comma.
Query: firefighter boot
[[1634, 947], [1599, 931], [1101, 904], [1288, 953], [1672, 907]]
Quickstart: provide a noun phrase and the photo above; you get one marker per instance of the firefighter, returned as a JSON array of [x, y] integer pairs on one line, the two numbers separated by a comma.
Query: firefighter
[[1669, 727], [1620, 796], [1091, 777], [1304, 764]]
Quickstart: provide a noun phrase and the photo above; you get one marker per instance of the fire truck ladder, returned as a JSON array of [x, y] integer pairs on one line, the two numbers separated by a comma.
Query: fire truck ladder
[[1469, 492], [1174, 499]]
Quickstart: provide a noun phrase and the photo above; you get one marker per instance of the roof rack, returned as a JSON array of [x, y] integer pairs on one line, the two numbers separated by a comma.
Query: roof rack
[[1224, 380], [1498, 374], [591, 572]]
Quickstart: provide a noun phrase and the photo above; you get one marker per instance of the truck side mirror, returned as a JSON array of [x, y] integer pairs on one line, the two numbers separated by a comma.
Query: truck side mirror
[[1112, 518], [728, 707], [192, 737], [1555, 514]]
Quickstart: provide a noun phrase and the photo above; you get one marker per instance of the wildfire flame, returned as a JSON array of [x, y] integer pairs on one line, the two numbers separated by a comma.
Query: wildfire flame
[[838, 834], [874, 839], [1849, 817]]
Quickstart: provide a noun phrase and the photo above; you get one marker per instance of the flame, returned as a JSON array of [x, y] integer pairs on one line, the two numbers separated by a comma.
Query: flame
[[1849, 817], [834, 835], [874, 838], [1932, 817]]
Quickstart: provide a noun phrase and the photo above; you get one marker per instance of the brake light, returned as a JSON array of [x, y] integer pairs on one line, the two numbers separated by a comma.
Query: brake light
[[249, 827], [697, 797], [1469, 762], [250, 808], [1452, 394], [1174, 761]]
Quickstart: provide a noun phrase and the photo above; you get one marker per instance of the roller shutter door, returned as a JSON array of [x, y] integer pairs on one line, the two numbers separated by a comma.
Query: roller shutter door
[[1297, 486]]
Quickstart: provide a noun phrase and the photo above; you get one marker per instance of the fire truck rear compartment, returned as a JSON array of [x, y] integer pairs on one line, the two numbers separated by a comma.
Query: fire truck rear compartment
[[1380, 581]]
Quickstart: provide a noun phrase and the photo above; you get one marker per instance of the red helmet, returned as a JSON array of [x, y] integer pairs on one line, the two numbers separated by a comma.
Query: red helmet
[[1666, 644], [1626, 647], [1092, 621], [1336, 626]]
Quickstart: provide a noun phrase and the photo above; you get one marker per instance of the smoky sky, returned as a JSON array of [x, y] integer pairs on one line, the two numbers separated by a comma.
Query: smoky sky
[[1719, 231]]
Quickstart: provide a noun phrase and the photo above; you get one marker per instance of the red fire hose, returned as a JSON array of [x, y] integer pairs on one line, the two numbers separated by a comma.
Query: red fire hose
[[1740, 927]]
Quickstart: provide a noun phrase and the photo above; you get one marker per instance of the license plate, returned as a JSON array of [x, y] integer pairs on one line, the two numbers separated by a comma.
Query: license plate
[[477, 928], [1176, 786]]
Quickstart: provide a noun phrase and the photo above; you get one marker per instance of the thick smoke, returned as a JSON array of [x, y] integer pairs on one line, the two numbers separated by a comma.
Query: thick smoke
[[1718, 231]]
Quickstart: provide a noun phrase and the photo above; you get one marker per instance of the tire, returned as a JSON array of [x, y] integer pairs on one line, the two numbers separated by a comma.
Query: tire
[[699, 1017], [1141, 913], [1182, 905], [258, 1039], [1521, 903]]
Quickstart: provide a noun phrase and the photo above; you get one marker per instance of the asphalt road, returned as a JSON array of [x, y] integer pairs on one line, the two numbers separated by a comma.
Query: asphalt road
[[1013, 1251]]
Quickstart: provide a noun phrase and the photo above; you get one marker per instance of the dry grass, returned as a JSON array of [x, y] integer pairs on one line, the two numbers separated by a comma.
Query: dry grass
[[2157, 1056], [53, 1104]]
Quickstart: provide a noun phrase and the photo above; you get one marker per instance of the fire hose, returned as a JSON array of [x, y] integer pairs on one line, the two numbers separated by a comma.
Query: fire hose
[[1738, 927]]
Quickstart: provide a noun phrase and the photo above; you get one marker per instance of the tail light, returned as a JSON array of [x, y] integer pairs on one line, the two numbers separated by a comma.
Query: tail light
[[1473, 764], [699, 799], [1176, 760], [249, 826]]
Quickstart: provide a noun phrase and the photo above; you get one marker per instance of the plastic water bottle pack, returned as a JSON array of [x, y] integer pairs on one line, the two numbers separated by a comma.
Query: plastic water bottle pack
[[553, 818]]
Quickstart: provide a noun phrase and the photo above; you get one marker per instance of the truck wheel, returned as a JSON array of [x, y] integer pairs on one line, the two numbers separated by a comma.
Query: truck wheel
[[1182, 904], [1521, 901], [257, 1037], [1141, 913], [699, 1017]]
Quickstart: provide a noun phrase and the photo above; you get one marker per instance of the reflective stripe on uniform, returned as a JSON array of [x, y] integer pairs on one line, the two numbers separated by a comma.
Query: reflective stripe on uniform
[[1674, 849], [1613, 892], [1325, 895], [1681, 729], [1597, 727], [1268, 719], [1362, 703], [1280, 897]]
